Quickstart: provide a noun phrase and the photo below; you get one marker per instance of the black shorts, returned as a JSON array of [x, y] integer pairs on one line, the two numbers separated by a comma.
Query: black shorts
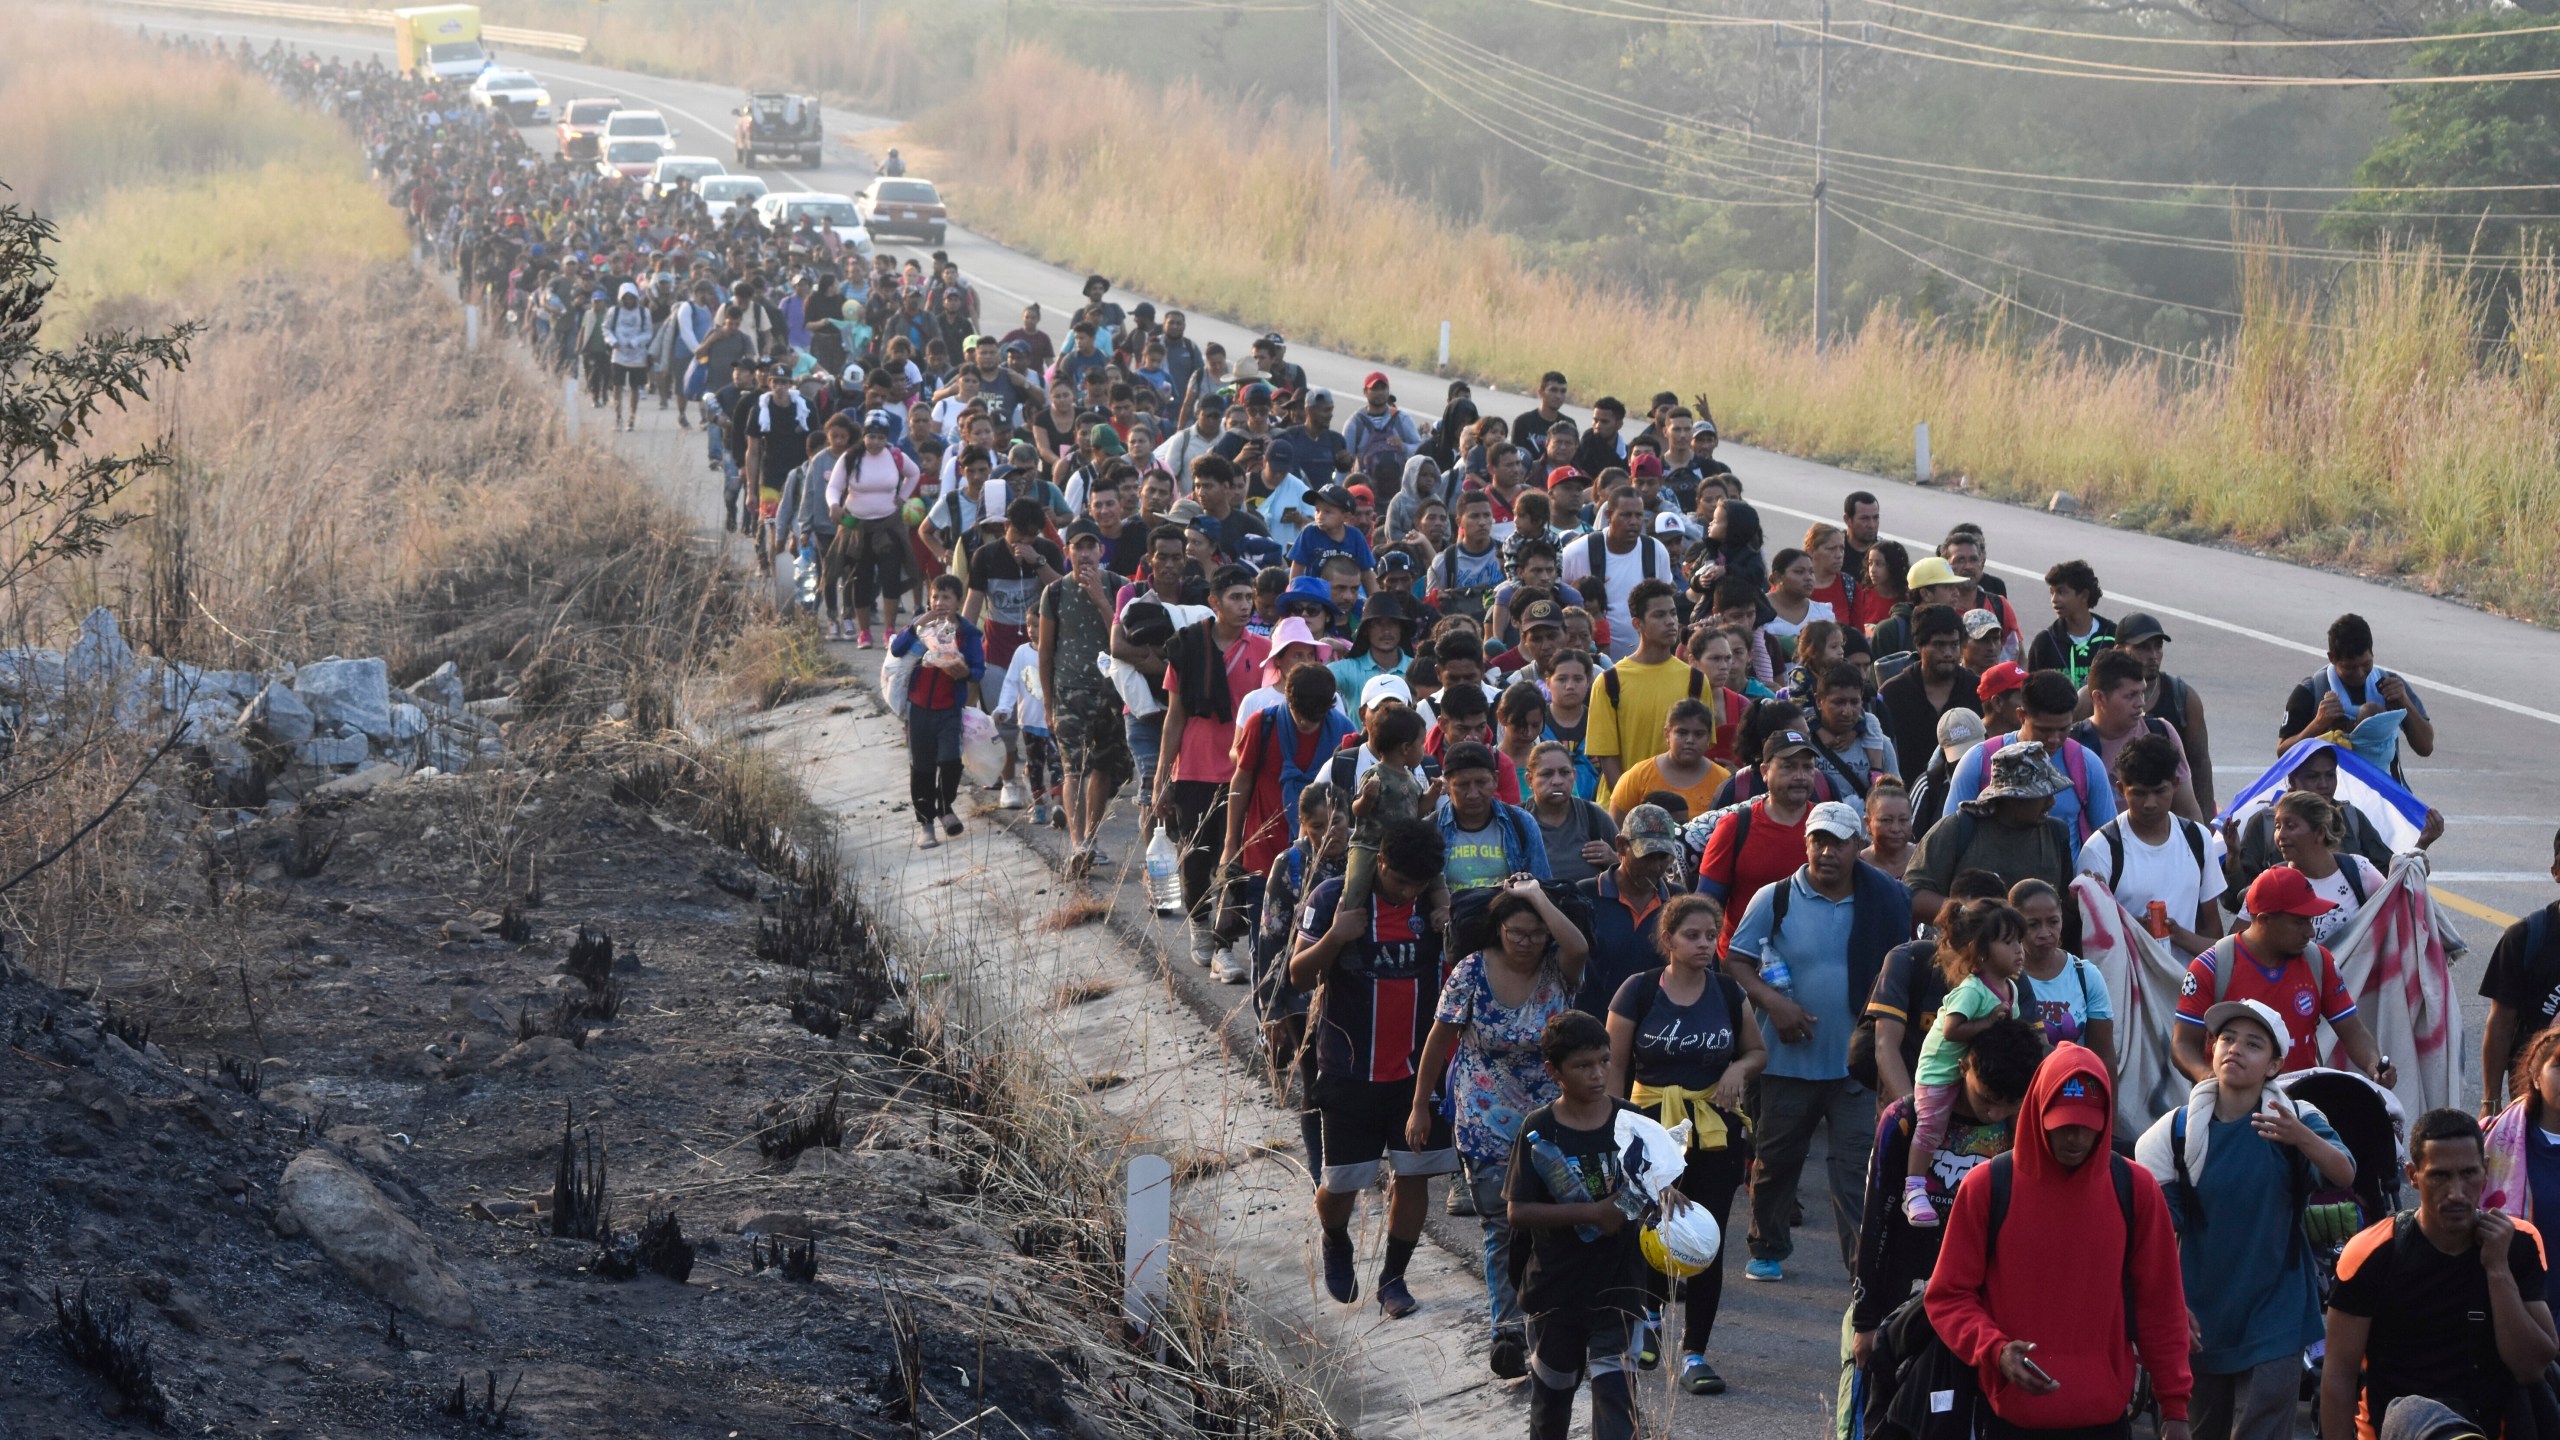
[[630, 377], [1364, 1123]]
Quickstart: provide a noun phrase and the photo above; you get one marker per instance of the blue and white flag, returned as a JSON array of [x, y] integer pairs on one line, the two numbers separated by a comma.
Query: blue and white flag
[[2397, 815]]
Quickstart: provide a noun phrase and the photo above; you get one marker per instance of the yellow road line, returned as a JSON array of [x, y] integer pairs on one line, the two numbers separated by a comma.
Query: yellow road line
[[2472, 908]]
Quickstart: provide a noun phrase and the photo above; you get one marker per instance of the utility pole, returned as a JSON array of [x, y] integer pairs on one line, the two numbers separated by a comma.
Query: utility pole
[[1821, 44], [1821, 181], [1333, 82]]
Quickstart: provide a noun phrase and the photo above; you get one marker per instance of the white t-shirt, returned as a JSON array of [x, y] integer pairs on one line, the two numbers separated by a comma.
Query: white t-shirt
[[1626, 572], [2325, 929], [2166, 872]]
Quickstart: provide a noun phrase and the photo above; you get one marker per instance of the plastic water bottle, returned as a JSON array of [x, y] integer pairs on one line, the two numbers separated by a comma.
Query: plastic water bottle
[[1774, 972], [1164, 873]]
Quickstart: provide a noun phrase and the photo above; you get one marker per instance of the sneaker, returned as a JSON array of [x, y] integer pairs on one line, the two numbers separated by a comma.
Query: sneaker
[[1040, 812], [1700, 1378], [1229, 968], [1462, 1198], [1510, 1357], [1766, 1271], [1080, 864], [1057, 813], [1649, 1343], [1395, 1301], [950, 823], [862, 638], [925, 838], [1204, 952], [1917, 1210], [1341, 1270], [1013, 795]]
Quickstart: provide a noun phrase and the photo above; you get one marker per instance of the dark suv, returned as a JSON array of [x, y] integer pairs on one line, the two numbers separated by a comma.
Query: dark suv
[[773, 123]]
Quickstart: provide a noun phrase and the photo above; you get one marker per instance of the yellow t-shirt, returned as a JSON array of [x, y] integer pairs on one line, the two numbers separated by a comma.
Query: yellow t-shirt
[[1645, 777], [1630, 727]]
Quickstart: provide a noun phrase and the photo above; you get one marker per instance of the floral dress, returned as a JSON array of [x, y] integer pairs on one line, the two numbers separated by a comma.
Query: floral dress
[[1498, 1076]]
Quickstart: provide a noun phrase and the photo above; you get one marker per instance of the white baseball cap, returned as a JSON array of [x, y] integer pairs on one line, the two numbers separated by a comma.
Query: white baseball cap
[[2259, 1010], [1837, 819], [1384, 687]]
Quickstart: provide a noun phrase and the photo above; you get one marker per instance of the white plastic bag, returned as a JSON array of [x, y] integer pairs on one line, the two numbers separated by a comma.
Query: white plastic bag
[[1654, 1156], [981, 747], [897, 672]]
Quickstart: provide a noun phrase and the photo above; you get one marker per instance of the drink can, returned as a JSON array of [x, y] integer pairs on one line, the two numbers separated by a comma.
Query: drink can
[[2155, 918]]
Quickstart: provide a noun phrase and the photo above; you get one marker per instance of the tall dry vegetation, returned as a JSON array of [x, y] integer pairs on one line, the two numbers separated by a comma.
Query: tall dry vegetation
[[904, 61], [2393, 428], [349, 480]]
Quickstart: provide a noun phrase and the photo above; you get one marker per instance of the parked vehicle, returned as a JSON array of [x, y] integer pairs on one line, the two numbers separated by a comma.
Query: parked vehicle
[[895, 206], [581, 121], [512, 93], [773, 123], [442, 41]]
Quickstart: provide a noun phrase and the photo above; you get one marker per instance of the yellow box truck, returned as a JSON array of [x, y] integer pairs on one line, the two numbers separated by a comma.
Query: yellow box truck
[[440, 40]]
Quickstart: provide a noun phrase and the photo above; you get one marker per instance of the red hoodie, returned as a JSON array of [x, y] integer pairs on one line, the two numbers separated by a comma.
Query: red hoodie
[[2060, 1271]]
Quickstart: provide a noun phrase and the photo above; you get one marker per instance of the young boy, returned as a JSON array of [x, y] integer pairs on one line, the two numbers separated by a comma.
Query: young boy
[[1332, 535], [1570, 1200], [1018, 706], [1393, 790], [2234, 1164], [2150, 853], [954, 658]]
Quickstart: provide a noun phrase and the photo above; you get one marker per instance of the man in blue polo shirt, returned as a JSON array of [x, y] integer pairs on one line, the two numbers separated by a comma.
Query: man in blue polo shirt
[[1806, 952], [1624, 899]]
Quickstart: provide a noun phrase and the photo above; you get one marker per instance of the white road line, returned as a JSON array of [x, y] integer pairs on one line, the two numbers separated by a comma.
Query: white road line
[[2490, 877]]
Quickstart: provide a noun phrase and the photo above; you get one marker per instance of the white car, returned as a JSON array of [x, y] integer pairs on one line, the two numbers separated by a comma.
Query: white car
[[672, 168], [630, 159], [514, 94], [781, 214], [723, 193], [639, 125]]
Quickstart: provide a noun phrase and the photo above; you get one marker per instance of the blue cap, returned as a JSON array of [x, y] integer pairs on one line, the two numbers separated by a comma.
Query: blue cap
[[1308, 589]]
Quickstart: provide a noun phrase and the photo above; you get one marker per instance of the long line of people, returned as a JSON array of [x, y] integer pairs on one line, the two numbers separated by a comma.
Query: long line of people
[[1523, 785]]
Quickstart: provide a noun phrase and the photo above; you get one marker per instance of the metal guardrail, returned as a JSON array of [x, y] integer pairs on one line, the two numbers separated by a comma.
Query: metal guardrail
[[368, 19]]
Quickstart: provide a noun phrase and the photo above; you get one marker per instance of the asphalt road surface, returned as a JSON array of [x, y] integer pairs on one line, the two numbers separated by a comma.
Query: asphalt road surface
[[2244, 630]]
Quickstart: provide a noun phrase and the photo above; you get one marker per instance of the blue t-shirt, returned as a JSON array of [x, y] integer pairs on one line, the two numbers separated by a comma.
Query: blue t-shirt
[[1966, 784], [1815, 944], [2249, 1276], [1314, 545]]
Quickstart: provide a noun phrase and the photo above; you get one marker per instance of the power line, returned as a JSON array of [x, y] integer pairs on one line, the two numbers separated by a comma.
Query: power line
[[2053, 315], [2313, 44]]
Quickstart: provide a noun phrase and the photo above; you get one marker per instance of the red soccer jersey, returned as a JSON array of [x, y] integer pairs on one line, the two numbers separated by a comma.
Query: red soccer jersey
[[2305, 992]]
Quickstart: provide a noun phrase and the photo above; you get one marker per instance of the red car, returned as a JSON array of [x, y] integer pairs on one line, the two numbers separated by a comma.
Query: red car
[[581, 121]]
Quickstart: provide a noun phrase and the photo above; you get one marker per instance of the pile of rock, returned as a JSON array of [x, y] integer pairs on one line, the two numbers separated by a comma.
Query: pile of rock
[[324, 718]]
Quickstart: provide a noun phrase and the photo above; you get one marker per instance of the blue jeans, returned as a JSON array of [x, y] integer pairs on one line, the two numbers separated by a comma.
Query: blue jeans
[[1146, 738], [1487, 1180]]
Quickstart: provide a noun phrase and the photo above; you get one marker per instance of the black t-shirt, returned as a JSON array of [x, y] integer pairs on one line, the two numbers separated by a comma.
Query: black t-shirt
[[1529, 432], [779, 426], [1913, 722], [2431, 1332], [1572, 1271], [1688, 1046], [2527, 983]]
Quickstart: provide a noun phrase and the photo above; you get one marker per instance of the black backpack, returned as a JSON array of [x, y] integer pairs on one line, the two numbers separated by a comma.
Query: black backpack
[[1862, 1040], [2114, 831], [1934, 1395], [1470, 932]]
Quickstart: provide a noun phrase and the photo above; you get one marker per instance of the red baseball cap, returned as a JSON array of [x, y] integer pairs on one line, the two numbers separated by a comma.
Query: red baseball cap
[[2283, 890], [2000, 679], [1364, 494], [1373, 379], [1645, 463], [2078, 1101]]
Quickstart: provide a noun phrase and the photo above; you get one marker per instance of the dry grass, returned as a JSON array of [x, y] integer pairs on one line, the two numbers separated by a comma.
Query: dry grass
[[146, 247], [85, 109], [1074, 914], [906, 60], [2388, 445]]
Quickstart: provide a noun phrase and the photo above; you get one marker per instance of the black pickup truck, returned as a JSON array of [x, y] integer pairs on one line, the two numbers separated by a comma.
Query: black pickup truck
[[773, 123]]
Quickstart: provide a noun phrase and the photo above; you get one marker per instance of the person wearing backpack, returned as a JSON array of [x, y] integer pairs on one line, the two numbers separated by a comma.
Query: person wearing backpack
[[2443, 1302], [2275, 959], [2522, 986], [2236, 1164], [1626, 899], [2116, 719], [1806, 952], [1896, 1256], [1618, 559], [2151, 854], [2087, 801], [2008, 829], [2059, 1272]]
